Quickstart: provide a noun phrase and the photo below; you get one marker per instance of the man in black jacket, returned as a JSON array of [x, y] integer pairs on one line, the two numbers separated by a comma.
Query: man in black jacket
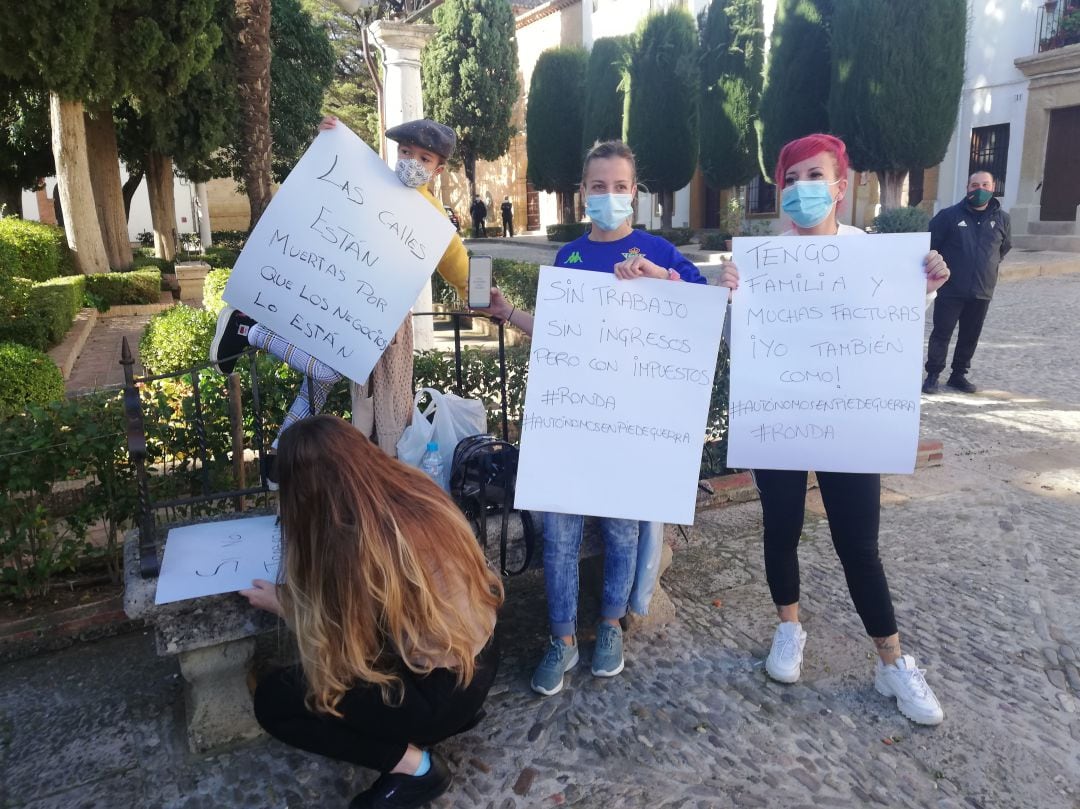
[[478, 211], [972, 236]]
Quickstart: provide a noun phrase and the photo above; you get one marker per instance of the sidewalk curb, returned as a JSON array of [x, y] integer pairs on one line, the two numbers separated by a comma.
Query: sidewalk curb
[[50, 632], [65, 354]]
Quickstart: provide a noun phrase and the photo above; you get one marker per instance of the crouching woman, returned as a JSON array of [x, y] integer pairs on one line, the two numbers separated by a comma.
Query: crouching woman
[[393, 607]]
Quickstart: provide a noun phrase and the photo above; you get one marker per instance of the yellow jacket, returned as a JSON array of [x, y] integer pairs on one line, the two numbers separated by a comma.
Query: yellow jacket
[[454, 265]]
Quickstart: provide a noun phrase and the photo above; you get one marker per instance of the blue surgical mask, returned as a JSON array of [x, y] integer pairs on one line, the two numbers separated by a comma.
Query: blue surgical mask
[[808, 202], [609, 211]]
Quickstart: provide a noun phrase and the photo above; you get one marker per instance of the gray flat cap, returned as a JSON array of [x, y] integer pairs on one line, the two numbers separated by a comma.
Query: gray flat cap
[[426, 134]]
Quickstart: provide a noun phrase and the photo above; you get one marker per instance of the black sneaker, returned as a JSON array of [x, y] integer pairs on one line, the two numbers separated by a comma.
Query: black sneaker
[[959, 382], [230, 339], [397, 791], [931, 384]]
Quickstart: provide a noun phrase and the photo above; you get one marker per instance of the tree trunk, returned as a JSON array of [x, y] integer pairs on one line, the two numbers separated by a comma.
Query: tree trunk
[[468, 160], [10, 199], [58, 209], [253, 75], [564, 200], [108, 195], [159, 182], [892, 183], [376, 81], [203, 201], [73, 185], [667, 205], [131, 185], [916, 180]]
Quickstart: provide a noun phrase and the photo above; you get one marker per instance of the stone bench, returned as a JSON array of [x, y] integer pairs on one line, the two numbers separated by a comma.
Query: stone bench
[[214, 637]]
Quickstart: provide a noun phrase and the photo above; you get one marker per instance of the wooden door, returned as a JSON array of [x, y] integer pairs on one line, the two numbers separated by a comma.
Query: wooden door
[[532, 208], [1061, 174]]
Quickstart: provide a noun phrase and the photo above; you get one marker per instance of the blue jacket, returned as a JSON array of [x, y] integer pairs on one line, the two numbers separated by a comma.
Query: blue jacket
[[972, 244]]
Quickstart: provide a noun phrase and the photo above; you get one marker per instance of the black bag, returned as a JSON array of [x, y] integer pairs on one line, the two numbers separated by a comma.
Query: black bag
[[482, 478]]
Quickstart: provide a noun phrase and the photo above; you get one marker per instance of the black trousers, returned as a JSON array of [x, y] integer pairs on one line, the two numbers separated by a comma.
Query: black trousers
[[371, 733], [478, 228], [853, 506], [970, 313], [508, 226]]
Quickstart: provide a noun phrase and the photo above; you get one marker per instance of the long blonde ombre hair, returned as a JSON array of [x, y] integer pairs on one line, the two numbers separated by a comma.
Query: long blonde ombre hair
[[360, 534]]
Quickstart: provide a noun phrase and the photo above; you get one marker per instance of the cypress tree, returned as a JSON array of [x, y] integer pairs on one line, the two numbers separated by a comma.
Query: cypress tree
[[662, 115], [732, 43], [469, 72], [898, 71], [553, 125], [605, 90], [795, 99]]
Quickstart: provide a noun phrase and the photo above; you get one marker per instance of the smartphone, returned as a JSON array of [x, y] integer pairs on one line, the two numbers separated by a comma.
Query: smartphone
[[479, 282]]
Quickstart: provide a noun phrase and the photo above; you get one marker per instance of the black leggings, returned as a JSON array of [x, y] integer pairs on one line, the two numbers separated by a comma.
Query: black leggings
[[853, 505], [371, 733]]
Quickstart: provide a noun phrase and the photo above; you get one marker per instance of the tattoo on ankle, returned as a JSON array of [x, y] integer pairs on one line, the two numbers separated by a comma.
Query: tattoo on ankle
[[887, 645]]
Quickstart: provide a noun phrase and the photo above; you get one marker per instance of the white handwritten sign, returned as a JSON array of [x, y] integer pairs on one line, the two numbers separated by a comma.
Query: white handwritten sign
[[620, 379], [340, 255], [826, 346], [218, 557]]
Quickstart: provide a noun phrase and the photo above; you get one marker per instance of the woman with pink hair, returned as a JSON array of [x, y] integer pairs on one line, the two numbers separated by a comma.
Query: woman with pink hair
[[813, 172]]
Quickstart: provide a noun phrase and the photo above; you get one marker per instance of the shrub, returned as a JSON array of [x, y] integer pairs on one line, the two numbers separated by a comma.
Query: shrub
[[32, 250], [177, 339], [39, 315], [217, 256], [714, 241], [902, 220], [27, 377], [674, 235], [145, 238], [119, 288], [231, 239], [141, 261], [567, 232], [517, 280], [213, 286]]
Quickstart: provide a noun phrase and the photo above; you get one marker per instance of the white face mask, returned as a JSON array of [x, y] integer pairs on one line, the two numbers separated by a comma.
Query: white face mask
[[412, 172]]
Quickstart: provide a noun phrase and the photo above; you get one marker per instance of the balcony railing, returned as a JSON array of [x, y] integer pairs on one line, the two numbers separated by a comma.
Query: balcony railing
[[1057, 24]]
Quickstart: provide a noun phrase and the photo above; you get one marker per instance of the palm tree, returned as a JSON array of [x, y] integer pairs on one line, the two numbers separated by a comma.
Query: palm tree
[[253, 79]]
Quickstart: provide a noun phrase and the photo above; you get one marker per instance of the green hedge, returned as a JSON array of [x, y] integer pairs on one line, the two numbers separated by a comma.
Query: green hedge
[[119, 288], [566, 233], [39, 315], [231, 239], [32, 250], [517, 280], [177, 339], [142, 261], [714, 241], [674, 235], [218, 256], [902, 220], [213, 286], [27, 377]]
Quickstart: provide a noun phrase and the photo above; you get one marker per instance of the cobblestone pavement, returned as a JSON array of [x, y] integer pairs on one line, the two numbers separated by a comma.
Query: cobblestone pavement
[[982, 556]]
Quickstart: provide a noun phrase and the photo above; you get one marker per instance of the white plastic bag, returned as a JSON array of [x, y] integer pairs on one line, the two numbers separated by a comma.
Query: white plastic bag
[[447, 419]]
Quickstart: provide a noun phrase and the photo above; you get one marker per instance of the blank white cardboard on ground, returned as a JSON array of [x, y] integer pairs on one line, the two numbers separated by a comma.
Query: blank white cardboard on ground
[[826, 352], [340, 255], [604, 433], [218, 557]]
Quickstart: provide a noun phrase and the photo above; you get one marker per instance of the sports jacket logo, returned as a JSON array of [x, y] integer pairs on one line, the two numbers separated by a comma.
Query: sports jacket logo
[[575, 258], [634, 252]]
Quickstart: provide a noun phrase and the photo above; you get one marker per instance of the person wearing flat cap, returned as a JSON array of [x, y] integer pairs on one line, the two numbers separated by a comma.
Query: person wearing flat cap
[[383, 404]]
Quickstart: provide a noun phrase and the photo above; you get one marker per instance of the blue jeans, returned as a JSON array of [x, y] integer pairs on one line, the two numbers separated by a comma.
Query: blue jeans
[[562, 545], [650, 546]]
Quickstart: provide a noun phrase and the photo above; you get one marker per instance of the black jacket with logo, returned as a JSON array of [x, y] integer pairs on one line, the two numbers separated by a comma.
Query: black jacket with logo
[[972, 244]]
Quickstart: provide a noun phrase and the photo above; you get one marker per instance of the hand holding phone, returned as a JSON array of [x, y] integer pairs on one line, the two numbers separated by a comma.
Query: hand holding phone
[[480, 282]]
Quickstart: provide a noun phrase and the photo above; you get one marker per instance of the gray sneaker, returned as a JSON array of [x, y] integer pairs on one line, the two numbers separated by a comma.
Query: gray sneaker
[[560, 658], [607, 659]]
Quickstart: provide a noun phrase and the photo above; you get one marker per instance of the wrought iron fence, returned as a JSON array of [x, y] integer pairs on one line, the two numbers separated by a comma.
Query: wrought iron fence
[[241, 420], [1057, 24]]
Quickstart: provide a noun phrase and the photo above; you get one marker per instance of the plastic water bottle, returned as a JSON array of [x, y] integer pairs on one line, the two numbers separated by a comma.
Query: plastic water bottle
[[432, 463]]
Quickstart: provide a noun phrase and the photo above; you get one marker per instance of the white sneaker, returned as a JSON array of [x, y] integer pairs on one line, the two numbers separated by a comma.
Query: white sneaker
[[905, 681], [784, 663]]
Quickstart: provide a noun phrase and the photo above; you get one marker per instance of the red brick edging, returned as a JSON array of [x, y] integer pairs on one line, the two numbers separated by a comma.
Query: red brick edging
[[56, 630]]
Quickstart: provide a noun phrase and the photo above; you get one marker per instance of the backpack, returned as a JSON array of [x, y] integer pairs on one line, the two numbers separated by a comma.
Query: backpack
[[482, 480]]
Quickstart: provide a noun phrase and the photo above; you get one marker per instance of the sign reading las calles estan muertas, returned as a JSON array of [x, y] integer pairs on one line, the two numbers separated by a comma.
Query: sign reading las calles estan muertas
[[340, 255]]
